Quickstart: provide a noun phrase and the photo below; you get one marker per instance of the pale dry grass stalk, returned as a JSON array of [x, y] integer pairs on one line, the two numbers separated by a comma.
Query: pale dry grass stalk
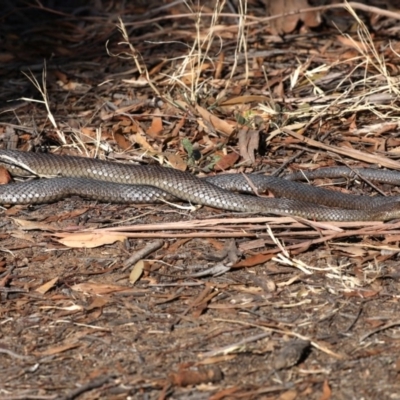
[[241, 42], [134, 54], [42, 89], [192, 65]]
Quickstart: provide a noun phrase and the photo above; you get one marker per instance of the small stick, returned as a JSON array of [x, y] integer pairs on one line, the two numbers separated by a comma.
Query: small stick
[[142, 254]]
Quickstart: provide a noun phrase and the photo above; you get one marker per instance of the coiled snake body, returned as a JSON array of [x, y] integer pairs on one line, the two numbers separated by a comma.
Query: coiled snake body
[[126, 183]]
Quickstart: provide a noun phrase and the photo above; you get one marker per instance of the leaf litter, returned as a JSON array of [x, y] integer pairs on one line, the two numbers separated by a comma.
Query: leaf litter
[[204, 90]]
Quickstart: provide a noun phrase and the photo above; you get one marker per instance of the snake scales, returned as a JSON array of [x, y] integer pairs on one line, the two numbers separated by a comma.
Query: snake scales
[[125, 183]]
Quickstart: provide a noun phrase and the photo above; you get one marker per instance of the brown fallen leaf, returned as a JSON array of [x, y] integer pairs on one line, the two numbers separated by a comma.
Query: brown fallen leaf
[[288, 395], [326, 391], [5, 176], [137, 271], [23, 236], [351, 42], [253, 260], [97, 288], [218, 124], [88, 240], [226, 162], [98, 302], [178, 127], [33, 225], [353, 251], [89, 132], [70, 214], [122, 141], [176, 161], [47, 286], [287, 23], [249, 140], [195, 376], [156, 128], [362, 294]]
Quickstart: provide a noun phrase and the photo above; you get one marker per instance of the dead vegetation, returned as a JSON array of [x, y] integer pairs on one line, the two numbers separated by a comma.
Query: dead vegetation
[[106, 301]]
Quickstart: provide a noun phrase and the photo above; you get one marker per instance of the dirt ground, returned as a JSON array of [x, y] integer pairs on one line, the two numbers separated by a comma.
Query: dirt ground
[[107, 301]]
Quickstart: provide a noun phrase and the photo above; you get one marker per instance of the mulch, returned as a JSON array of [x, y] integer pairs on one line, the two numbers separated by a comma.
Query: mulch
[[166, 301]]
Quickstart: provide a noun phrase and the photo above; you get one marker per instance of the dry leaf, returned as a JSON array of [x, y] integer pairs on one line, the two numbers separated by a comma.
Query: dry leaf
[[176, 161], [177, 128], [218, 124], [88, 132], [254, 260], [89, 240], [47, 286], [196, 376], [33, 225], [226, 162], [141, 140], [351, 42], [5, 176], [23, 236], [156, 127], [175, 246], [67, 215], [98, 302], [289, 395], [364, 294], [193, 72], [122, 141], [287, 23], [97, 288], [136, 272], [326, 391], [352, 251], [248, 142]]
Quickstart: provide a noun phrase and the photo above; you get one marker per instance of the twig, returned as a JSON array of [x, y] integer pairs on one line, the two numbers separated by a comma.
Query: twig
[[93, 384], [153, 246], [380, 329], [353, 153]]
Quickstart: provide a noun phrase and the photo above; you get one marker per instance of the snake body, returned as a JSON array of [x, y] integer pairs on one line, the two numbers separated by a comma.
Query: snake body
[[127, 183]]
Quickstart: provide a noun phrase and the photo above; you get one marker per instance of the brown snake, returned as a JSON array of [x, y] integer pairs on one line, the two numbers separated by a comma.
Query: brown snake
[[126, 183]]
